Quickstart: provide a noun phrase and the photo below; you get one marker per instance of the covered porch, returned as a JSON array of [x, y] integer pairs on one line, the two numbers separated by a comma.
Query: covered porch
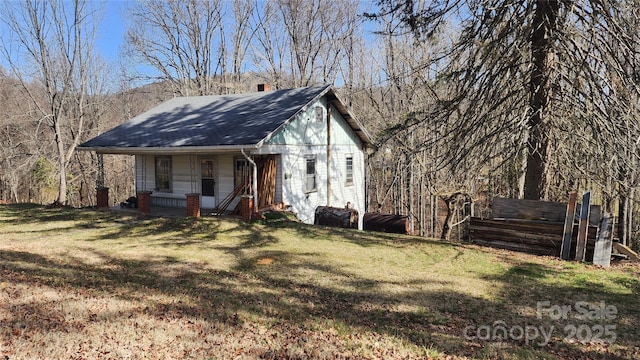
[[200, 184]]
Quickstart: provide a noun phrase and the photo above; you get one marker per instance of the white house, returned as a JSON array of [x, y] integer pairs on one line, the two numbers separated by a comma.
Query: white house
[[300, 147]]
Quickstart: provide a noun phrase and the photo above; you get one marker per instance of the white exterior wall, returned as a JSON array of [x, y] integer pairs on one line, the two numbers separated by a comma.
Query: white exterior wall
[[182, 178], [301, 138], [224, 180], [341, 192], [293, 177], [180, 174], [304, 137], [346, 143], [145, 173]]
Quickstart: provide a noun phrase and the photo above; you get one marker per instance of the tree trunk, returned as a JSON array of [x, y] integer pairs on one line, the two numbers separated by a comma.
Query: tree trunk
[[62, 173], [540, 91], [622, 219], [454, 203]]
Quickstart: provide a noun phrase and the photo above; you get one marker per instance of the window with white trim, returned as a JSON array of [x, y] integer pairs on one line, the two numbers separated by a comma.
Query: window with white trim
[[349, 170], [163, 173], [319, 114], [207, 174], [310, 178]]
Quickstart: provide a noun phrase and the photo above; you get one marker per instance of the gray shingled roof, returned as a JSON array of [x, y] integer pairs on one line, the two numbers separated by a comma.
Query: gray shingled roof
[[209, 121]]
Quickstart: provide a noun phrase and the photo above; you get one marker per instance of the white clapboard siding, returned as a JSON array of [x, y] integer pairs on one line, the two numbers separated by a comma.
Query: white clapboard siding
[[145, 173], [341, 192], [294, 182], [303, 137], [181, 173], [224, 181], [279, 178], [292, 176]]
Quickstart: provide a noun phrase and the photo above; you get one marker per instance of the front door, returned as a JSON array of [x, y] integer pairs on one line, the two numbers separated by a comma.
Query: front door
[[208, 186]]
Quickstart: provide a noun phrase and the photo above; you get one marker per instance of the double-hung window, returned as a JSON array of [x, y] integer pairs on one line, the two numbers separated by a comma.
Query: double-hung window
[[310, 178], [349, 170], [207, 174], [163, 173]]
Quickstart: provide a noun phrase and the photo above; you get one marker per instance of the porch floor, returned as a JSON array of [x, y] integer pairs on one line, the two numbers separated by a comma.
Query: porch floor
[[168, 212]]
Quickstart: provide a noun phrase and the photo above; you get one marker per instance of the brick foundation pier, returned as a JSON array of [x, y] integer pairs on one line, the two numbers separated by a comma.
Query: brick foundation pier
[[193, 205], [144, 202]]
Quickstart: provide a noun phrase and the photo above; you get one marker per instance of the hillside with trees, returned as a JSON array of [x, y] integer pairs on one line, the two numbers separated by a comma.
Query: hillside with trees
[[467, 100]]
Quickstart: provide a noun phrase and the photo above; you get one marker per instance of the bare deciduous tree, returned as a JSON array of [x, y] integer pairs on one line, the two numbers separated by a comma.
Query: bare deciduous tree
[[50, 49], [177, 39], [302, 42], [242, 35], [533, 86]]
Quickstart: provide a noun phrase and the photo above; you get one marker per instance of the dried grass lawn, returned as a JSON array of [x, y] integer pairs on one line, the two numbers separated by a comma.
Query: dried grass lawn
[[83, 284]]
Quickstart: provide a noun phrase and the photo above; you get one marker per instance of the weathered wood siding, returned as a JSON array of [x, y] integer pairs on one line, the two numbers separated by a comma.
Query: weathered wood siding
[[279, 178], [504, 208]]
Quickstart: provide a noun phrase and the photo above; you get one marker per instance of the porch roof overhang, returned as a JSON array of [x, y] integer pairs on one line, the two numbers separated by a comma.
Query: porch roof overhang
[[181, 150]]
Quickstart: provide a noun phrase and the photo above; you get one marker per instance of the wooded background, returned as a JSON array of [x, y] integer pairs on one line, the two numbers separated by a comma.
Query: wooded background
[[467, 100]]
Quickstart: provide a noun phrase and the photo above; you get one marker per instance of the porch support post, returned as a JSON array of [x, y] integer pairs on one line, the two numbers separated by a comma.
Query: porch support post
[[193, 205], [144, 202], [255, 177]]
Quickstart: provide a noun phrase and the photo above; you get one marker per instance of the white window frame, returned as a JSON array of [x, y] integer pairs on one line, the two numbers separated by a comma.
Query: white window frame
[[309, 176], [206, 176], [318, 114], [348, 170], [168, 174]]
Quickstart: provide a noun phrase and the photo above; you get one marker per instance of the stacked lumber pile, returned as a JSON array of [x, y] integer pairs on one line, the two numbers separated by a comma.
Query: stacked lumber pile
[[529, 236], [535, 227]]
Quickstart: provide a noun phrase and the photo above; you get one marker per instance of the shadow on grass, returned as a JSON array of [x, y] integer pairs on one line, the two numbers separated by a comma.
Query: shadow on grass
[[166, 231], [22, 216], [428, 319], [279, 293], [176, 231], [583, 297]]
